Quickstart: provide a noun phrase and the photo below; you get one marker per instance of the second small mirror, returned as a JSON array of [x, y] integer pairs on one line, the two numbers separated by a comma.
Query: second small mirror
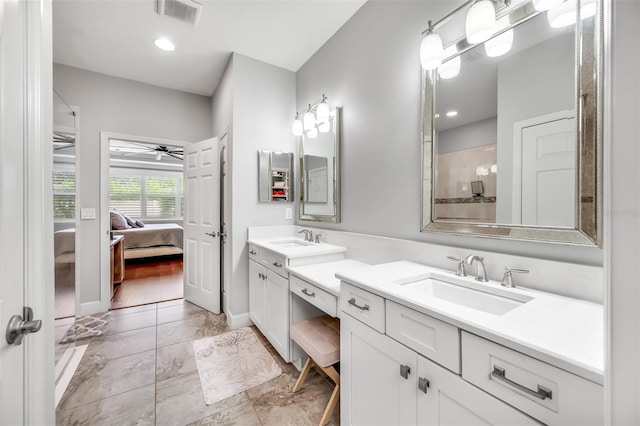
[[275, 176]]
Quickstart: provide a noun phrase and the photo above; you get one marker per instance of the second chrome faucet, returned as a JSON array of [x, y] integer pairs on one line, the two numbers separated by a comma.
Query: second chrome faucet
[[481, 272]]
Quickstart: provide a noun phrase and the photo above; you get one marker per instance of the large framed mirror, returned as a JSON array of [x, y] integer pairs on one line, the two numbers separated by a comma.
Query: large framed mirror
[[319, 199], [511, 145]]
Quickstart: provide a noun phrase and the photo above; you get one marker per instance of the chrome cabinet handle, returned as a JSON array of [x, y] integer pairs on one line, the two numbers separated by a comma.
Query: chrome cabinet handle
[[542, 393], [308, 293], [423, 384], [405, 370], [252, 252], [277, 265], [353, 303]]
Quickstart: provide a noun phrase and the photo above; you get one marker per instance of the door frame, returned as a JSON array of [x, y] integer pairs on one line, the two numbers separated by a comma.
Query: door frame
[[224, 147], [518, 127], [105, 160]]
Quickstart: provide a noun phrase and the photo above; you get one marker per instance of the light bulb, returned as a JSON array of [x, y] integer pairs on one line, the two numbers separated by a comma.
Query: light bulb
[[325, 127], [450, 69], [480, 22], [542, 5], [313, 133], [431, 51], [297, 127], [501, 44], [322, 112], [562, 15], [309, 120]]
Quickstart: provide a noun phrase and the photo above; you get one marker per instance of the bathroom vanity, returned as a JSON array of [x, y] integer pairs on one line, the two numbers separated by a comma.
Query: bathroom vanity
[[420, 345]]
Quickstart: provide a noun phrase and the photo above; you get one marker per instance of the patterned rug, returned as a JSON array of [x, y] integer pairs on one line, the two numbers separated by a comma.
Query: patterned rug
[[87, 326], [232, 362]]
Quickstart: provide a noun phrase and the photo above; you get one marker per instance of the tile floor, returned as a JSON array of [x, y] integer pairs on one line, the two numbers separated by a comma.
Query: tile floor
[[143, 372]]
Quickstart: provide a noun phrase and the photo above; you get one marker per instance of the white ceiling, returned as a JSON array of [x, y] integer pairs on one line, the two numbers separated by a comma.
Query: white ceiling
[[115, 37]]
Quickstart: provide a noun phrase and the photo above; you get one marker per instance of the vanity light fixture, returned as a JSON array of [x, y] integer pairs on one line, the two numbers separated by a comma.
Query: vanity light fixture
[[297, 127], [564, 14], [480, 22], [316, 117], [502, 43], [542, 5], [431, 50], [450, 68], [164, 44]]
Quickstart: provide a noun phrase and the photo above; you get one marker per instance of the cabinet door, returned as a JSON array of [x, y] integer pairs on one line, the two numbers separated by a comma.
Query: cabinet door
[[373, 390], [278, 313], [257, 295], [449, 400]]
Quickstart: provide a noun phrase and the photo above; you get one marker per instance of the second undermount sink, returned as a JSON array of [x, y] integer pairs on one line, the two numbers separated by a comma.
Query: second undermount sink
[[460, 292], [291, 243]]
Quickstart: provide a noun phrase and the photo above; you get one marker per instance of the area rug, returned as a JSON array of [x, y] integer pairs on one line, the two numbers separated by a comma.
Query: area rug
[[87, 326], [231, 363]]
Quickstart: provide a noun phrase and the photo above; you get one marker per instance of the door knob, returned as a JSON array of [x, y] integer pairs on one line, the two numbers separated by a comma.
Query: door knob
[[211, 234], [19, 327]]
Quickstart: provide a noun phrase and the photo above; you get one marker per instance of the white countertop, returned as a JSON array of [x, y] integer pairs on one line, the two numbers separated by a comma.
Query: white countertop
[[564, 332], [323, 274], [312, 249]]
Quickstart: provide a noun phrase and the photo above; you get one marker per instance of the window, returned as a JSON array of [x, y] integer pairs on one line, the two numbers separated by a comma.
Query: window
[[147, 194], [64, 192]]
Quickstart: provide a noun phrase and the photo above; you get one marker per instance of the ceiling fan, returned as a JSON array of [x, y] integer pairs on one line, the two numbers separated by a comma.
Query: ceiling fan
[[62, 141], [127, 148]]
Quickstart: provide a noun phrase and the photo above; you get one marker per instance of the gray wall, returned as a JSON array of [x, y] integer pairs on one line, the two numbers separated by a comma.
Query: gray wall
[[371, 67], [542, 76], [123, 106], [262, 99], [468, 136]]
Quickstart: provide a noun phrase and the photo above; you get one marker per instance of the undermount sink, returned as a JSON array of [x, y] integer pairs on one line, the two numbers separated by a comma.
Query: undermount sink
[[291, 243], [469, 294]]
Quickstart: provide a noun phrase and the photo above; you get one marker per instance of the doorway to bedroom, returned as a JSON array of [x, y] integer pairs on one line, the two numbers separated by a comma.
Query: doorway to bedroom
[[146, 204]]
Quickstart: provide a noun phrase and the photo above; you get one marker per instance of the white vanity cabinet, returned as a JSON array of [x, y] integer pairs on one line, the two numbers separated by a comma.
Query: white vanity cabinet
[[413, 369], [269, 297]]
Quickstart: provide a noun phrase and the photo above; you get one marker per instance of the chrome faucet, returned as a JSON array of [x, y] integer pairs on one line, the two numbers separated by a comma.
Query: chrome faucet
[[308, 235], [481, 273], [507, 278], [459, 267]]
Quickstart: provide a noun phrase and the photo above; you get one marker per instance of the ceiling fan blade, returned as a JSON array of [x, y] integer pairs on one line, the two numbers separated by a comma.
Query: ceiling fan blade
[[67, 145], [171, 154]]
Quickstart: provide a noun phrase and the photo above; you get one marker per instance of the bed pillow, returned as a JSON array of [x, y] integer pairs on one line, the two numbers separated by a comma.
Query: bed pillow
[[130, 222], [118, 221]]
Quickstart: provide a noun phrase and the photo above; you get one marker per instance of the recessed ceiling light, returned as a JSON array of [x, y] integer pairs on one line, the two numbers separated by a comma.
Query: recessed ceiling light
[[452, 113], [164, 44]]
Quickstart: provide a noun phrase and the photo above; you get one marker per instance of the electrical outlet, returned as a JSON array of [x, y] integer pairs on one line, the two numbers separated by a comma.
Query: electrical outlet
[[288, 213]]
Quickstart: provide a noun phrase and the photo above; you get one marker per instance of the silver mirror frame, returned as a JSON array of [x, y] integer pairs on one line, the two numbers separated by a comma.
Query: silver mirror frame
[[589, 230], [335, 217]]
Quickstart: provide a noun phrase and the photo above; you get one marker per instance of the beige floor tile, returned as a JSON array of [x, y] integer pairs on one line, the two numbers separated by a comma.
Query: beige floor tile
[[175, 360], [195, 327], [241, 415], [180, 312], [136, 407], [128, 322], [180, 401], [113, 346], [133, 310]]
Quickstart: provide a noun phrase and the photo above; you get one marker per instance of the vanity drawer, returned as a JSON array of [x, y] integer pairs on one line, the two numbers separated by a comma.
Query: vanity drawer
[[428, 336], [545, 392], [362, 305], [254, 253], [313, 294], [275, 262]]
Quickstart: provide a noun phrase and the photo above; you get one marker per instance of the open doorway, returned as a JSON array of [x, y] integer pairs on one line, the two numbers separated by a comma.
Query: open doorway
[[146, 205]]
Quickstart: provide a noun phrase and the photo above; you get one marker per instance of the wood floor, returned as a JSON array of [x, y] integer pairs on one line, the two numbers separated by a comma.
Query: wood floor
[[149, 281]]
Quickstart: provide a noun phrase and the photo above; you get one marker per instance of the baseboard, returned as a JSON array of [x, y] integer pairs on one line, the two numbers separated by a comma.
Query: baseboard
[[238, 321], [89, 308]]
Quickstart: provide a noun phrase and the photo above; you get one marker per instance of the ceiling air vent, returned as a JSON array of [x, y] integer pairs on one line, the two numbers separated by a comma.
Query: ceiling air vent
[[183, 10]]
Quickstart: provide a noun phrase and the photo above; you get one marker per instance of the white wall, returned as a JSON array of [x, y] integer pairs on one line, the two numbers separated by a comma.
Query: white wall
[[470, 135], [622, 215], [262, 98], [531, 83], [371, 68], [123, 106]]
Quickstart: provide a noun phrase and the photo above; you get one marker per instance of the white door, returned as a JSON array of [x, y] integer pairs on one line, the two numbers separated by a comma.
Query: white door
[[26, 247], [202, 225], [549, 174]]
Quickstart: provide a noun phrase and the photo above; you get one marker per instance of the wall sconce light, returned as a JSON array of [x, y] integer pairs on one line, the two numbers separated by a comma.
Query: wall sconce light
[[480, 22], [502, 43], [431, 50], [316, 117], [565, 14], [450, 68], [542, 5]]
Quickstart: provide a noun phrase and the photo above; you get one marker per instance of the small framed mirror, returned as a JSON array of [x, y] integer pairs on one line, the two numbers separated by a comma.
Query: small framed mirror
[[275, 176], [320, 173], [511, 143]]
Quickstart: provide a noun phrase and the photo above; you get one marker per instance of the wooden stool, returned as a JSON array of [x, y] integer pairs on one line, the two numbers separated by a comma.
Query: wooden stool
[[320, 339]]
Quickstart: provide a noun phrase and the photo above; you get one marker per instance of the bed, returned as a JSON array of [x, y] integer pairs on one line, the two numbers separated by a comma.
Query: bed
[[155, 239]]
